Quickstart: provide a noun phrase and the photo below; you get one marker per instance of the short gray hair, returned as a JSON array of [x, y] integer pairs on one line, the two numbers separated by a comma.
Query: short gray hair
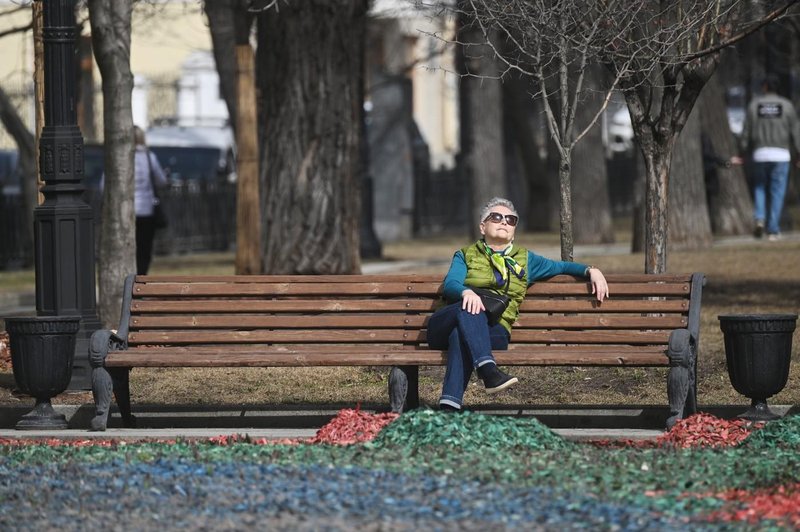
[[494, 202]]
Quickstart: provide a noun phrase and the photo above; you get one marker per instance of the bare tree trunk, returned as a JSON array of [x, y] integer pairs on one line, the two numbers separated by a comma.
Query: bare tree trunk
[[248, 213], [481, 117], [591, 223], [229, 24], [311, 134], [689, 225], [111, 40], [730, 206], [565, 190], [26, 147]]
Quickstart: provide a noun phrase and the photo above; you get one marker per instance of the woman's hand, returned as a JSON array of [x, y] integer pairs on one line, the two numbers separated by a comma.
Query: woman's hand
[[599, 284], [471, 302]]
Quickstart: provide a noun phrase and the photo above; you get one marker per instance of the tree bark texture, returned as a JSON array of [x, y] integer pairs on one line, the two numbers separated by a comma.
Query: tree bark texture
[[591, 221], [26, 147], [525, 134], [229, 24], [310, 127], [689, 225], [729, 203], [248, 211], [111, 40], [481, 110], [565, 190]]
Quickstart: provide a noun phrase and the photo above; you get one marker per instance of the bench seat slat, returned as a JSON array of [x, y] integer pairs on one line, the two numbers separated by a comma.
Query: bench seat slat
[[227, 321], [165, 358], [150, 337], [371, 348]]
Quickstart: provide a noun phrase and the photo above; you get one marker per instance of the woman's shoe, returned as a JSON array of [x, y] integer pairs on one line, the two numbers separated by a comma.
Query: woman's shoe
[[494, 379]]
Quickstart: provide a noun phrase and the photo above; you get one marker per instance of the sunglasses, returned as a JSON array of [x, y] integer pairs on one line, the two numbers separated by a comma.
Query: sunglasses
[[496, 217]]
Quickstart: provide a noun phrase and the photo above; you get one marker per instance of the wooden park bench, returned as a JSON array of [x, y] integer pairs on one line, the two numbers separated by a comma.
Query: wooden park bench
[[380, 320]]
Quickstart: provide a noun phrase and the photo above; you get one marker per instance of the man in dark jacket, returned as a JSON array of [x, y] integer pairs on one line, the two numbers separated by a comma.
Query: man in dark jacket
[[770, 132]]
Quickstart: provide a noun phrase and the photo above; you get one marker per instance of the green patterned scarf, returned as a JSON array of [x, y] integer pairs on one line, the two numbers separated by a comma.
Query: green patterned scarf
[[502, 263]]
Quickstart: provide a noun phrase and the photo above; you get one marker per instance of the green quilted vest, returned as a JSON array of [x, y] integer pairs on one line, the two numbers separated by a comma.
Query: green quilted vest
[[480, 275]]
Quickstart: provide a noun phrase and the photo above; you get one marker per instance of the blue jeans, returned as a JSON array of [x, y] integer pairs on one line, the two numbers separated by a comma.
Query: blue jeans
[[469, 341], [775, 176]]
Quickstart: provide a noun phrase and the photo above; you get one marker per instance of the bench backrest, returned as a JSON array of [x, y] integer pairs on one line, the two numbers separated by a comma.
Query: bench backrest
[[389, 312]]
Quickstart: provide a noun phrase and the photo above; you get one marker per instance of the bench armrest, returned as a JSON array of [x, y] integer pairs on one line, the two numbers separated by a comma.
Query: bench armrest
[[102, 342]]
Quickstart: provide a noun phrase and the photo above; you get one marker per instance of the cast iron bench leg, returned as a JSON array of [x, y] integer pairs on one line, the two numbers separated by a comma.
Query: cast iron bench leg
[[404, 388], [99, 346], [122, 393], [681, 379]]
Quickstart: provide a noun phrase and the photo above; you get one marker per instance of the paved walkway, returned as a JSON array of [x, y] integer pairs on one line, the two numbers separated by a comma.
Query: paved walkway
[[162, 422]]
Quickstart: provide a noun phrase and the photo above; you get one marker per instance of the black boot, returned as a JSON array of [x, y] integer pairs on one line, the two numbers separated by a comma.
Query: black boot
[[495, 380]]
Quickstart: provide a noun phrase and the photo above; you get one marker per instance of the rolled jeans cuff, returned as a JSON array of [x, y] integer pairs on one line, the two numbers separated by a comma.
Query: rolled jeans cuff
[[485, 360], [451, 401]]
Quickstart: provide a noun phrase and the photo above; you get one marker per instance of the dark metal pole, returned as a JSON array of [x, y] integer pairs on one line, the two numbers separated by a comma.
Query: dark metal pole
[[63, 229]]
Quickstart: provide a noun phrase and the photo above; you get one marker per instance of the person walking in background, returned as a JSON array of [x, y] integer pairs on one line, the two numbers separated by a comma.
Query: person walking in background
[[147, 174], [770, 131]]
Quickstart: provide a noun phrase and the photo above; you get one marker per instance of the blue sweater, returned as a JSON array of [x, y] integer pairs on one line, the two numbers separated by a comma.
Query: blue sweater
[[538, 268]]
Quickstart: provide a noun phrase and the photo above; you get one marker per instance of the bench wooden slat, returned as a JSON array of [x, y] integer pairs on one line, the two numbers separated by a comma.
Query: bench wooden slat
[[399, 304], [322, 279], [219, 289], [609, 305], [226, 321], [399, 278], [587, 321], [266, 350], [196, 289], [286, 305], [206, 336], [278, 336], [616, 289], [348, 358]]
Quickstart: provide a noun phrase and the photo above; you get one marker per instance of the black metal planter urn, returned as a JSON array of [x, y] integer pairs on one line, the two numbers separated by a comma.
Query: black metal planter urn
[[758, 349], [42, 350]]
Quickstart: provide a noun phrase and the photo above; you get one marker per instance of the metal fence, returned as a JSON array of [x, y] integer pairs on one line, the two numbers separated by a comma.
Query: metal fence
[[202, 217], [14, 254]]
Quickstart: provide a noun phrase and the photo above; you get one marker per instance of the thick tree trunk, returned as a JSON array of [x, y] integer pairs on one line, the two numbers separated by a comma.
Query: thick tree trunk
[[729, 203], [591, 204], [248, 212], [481, 111], [111, 40], [689, 225], [229, 24], [310, 120], [26, 147], [523, 124]]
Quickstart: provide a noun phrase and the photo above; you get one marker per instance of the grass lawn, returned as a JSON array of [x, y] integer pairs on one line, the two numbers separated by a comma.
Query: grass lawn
[[744, 276]]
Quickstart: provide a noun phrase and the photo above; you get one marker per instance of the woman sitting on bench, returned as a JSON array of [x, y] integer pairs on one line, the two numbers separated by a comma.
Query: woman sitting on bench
[[471, 325]]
